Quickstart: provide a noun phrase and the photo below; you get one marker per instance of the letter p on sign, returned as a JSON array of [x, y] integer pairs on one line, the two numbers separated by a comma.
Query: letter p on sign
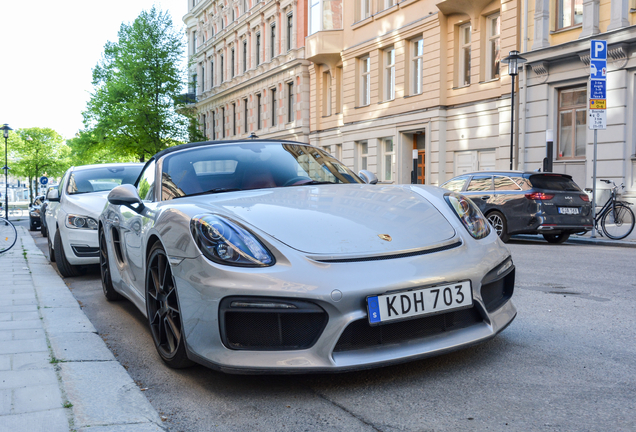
[[599, 52]]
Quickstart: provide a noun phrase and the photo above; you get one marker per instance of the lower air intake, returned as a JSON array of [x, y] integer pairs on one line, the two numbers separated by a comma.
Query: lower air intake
[[359, 334]]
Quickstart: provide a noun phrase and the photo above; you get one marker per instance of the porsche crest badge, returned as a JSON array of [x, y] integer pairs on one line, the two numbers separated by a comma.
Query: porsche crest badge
[[385, 237]]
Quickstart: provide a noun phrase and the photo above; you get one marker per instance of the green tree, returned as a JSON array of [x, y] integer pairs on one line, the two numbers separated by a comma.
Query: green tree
[[136, 83], [86, 149], [36, 152]]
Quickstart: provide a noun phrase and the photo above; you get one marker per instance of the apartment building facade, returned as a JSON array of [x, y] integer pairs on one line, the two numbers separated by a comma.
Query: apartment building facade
[[412, 86], [248, 68], [558, 53]]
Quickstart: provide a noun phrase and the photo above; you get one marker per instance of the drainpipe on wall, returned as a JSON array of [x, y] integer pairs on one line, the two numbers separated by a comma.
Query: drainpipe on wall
[[521, 158]]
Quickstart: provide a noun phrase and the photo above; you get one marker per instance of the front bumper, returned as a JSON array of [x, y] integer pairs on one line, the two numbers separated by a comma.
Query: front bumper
[[81, 246], [340, 290]]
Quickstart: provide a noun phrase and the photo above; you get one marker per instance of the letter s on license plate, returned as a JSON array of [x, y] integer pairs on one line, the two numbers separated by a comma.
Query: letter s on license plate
[[420, 302]]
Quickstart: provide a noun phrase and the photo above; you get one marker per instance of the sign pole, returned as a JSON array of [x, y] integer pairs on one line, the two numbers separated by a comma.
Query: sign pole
[[594, 188]]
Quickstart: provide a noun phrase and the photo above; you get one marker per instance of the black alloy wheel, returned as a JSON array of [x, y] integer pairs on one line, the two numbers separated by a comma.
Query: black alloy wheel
[[556, 238], [104, 270], [498, 222], [164, 315]]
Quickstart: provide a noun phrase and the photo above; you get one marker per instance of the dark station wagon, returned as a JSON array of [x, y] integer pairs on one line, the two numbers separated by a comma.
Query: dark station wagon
[[517, 202]]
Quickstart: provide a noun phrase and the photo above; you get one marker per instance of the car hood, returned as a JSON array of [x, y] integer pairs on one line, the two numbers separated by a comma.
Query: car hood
[[87, 204], [339, 219]]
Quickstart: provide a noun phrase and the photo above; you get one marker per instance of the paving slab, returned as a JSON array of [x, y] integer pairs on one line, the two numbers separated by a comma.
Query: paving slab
[[16, 379], [23, 346], [56, 296], [28, 361], [65, 320], [18, 308], [20, 325], [80, 347], [140, 427], [103, 393], [5, 362], [43, 421], [37, 398], [5, 401]]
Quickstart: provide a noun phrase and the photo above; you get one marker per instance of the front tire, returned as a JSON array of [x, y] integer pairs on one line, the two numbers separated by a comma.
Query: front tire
[[43, 230], [65, 268], [499, 223], [164, 314], [556, 238], [104, 270], [51, 251]]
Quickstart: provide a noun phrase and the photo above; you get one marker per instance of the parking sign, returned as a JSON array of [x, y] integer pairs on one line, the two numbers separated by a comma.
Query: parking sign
[[597, 118]]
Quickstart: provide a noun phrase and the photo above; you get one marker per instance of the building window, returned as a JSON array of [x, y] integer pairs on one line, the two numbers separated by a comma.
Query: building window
[[290, 102], [365, 81], [211, 73], [389, 74], [222, 68], [245, 125], [194, 42], [326, 94], [363, 154], [233, 119], [572, 123], [233, 15], [290, 31], [325, 15], [244, 55], [273, 92], [389, 3], [203, 76], [258, 111], [258, 49], [388, 160], [569, 13], [203, 126], [195, 84], [339, 90], [213, 126], [464, 55], [365, 9], [418, 65], [493, 27], [272, 41], [232, 66], [223, 122]]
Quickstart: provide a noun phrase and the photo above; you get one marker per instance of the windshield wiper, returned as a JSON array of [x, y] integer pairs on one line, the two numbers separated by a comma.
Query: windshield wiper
[[213, 191]]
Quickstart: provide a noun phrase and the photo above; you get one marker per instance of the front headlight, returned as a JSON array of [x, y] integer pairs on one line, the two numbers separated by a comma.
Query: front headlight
[[81, 222], [469, 214], [225, 242], [35, 212]]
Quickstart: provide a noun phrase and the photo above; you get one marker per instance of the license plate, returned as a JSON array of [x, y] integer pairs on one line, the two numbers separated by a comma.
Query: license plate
[[569, 210], [416, 303]]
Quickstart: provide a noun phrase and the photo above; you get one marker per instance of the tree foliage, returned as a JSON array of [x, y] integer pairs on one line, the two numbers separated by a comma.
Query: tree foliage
[[35, 152], [132, 108]]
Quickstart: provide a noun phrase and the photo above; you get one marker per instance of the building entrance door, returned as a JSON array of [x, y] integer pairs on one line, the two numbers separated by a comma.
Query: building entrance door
[[419, 144]]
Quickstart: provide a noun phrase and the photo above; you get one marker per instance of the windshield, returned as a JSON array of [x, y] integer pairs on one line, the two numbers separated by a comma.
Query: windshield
[[102, 178], [223, 168]]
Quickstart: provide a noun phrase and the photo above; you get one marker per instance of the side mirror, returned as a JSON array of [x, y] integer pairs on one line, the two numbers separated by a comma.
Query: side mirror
[[53, 196], [368, 177], [126, 195]]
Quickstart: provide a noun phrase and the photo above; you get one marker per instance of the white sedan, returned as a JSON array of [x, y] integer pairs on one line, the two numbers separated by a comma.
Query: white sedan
[[79, 200]]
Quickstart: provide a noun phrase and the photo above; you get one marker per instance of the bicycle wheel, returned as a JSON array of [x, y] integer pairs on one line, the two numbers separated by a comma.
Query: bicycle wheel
[[618, 223], [8, 235]]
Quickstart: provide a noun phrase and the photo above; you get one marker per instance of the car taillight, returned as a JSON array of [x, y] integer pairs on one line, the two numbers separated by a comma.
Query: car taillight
[[539, 196], [585, 197]]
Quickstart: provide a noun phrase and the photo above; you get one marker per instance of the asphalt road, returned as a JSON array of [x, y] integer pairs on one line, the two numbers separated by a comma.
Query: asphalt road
[[567, 363]]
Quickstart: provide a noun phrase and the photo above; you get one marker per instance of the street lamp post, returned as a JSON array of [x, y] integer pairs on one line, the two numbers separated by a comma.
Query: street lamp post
[[5, 132], [513, 61]]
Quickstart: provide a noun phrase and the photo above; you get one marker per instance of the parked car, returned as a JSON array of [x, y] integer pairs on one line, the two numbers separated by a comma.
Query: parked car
[[273, 256], [517, 202], [43, 207], [34, 213], [72, 222]]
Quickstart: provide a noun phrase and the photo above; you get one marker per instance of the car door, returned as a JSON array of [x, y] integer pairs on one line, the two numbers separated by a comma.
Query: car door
[[510, 198], [480, 191], [133, 226]]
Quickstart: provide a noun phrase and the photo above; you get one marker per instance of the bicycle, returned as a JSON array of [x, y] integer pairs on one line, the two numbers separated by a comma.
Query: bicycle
[[8, 235], [616, 218]]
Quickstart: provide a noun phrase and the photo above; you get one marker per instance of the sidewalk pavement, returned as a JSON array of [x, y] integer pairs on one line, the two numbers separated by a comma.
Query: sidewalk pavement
[[599, 240], [56, 373]]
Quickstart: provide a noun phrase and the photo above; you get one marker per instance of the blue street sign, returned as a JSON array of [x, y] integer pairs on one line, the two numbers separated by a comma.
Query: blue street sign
[[598, 89], [44, 180], [598, 50], [598, 69]]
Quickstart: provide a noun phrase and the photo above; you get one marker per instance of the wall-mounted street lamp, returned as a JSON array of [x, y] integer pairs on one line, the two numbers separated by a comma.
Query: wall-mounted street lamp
[[5, 133], [513, 61]]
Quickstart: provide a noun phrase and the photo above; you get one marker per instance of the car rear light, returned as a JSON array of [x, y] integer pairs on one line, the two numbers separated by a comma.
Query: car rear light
[[585, 197], [539, 196]]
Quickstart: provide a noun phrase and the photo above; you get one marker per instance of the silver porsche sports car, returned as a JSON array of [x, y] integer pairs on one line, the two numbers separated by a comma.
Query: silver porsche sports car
[[272, 256]]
